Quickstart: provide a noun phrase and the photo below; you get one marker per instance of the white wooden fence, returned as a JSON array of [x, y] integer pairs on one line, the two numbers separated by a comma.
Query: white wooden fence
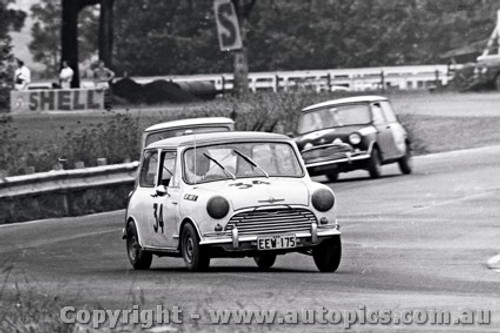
[[354, 79]]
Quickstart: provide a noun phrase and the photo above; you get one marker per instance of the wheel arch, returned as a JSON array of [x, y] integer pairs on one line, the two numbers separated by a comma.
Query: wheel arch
[[185, 222], [132, 220]]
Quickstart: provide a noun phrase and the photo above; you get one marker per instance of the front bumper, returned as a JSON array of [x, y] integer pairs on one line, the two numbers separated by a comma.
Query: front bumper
[[237, 243], [350, 161]]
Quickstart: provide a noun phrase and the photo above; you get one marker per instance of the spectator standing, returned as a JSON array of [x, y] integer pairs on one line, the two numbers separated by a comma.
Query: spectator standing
[[22, 76], [103, 76], [65, 76], [102, 80]]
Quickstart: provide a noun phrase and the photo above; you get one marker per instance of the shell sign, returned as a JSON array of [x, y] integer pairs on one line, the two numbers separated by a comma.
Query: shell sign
[[56, 100]]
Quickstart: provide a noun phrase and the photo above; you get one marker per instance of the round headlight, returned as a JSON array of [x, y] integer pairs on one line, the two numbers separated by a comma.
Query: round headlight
[[323, 200], [217, 207], [354, 138]]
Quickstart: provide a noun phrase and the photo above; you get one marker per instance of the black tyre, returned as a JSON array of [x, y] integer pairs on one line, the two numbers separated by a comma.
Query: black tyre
[[265, 261], [192, 252], [332, 176], [327, 255], [139, 258], [405, 163], [374, 164]]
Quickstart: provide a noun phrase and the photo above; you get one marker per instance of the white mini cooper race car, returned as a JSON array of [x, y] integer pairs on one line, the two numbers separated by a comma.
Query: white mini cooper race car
[[229, 194]]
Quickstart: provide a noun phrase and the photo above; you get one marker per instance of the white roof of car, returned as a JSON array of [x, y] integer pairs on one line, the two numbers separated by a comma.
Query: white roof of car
[[191, 122], [347, 100], [219, 137]]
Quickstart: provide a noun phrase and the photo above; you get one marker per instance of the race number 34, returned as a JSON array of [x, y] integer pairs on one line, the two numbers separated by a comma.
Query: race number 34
[[228, 28], [158, 215]]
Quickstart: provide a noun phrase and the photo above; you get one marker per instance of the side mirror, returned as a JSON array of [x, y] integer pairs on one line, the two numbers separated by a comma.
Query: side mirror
[[161, 190], [290, 134]]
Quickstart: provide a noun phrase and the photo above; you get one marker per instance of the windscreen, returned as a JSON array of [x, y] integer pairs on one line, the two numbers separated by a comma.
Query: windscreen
[[340, 115], [240, 160]]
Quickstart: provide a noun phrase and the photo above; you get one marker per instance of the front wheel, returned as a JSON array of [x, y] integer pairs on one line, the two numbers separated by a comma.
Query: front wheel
[[327, 255], [192, 252], [139, 258], [405, 162], [265, 261], [374, 164]]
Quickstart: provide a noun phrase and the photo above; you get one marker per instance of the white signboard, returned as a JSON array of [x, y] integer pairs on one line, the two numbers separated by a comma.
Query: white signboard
[[228, 27]]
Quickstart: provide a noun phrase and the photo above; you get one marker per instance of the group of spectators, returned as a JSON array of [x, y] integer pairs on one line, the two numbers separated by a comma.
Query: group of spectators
[[102, 76]]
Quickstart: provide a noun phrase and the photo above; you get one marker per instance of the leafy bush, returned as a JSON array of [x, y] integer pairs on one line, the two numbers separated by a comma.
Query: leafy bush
[[116, 140], [10, 149]]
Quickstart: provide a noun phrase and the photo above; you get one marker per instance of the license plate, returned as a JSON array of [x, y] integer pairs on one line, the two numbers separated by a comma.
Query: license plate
[[276, 242]]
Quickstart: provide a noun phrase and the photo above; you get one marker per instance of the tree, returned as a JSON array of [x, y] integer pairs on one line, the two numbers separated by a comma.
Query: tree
[[46, 32], [179, 36], [69, 34], [106, 32], [243, 9], [10, 20]]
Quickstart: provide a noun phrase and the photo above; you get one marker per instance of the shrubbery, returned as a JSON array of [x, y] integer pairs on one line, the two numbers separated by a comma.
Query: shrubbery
[[118, 138]]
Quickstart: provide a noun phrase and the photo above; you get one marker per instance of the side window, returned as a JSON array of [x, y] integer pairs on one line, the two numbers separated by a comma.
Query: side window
[[388, 112], [167, 170], [149, 168], [377, 115]]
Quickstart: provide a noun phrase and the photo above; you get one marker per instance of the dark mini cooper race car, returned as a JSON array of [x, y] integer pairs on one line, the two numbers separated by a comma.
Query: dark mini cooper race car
[[352, 133]]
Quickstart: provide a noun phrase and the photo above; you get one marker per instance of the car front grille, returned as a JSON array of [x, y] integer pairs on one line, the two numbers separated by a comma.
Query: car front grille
[[271, 221], [331, 152]]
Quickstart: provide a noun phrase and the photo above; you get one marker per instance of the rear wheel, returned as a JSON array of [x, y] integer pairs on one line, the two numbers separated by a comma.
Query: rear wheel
[[327, 254], [405, 162], [139, 258], [192, 252], [265, 261], [332, 176], [374, 164]]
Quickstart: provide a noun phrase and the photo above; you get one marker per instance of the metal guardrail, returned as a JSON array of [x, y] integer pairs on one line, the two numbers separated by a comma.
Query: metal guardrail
[[65, 192], [67, 180]]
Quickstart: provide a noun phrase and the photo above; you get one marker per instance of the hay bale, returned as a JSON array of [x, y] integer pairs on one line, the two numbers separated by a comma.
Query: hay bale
[[161, 91]]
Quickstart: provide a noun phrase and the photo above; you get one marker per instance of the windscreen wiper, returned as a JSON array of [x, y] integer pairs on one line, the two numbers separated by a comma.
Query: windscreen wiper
[[252, 162], [232, 175]]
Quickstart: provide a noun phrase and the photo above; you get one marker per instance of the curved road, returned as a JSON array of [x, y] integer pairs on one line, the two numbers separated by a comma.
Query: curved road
[[418, 242]]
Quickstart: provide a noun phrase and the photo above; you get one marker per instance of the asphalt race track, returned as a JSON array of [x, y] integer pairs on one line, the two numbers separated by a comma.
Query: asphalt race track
[[417, 242]]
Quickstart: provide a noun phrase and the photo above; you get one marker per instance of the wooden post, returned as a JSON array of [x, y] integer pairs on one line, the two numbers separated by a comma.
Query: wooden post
[[382, 80]]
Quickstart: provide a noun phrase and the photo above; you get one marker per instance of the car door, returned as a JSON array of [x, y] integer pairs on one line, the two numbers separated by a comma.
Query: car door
[[398, 132], [144, 197], [166, 205], [385, 137]]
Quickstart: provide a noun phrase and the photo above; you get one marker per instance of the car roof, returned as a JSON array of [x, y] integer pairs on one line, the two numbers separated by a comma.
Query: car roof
[[190, 122], [347, 100], [218, 137]]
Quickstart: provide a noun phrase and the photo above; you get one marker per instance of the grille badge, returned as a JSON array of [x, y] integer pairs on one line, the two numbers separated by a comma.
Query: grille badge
[[271, 200]]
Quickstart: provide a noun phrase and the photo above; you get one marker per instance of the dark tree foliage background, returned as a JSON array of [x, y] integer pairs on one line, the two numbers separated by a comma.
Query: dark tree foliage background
[[154, 37], [9, 20], [179, 37], [46, 32]]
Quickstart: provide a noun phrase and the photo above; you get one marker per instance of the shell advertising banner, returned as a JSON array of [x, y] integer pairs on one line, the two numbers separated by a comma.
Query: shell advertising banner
[[28, 101]]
